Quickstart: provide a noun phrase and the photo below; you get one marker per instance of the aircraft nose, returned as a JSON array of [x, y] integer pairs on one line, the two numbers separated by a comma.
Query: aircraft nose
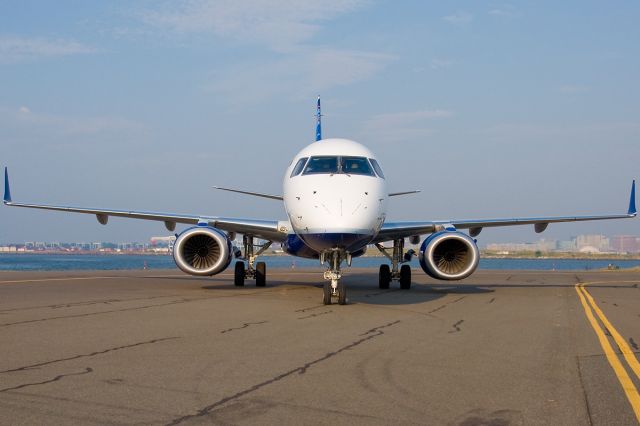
[[342, 208]]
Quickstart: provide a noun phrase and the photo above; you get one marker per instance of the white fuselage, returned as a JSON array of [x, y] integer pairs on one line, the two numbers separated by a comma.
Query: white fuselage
[[335, 208]]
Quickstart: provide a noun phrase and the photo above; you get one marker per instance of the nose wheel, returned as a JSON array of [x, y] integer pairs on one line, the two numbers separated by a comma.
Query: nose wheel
[[333, 286]]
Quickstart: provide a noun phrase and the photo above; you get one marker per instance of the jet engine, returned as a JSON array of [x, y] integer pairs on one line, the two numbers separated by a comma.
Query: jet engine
[[449, 255], [202, 250]]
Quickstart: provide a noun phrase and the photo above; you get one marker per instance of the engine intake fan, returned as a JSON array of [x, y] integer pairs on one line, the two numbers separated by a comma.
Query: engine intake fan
[[449, 255], [202, 250]]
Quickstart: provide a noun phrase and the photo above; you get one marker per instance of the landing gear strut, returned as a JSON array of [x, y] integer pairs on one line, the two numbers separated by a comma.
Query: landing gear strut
[[395, 273], [252, 270], [334, 287]]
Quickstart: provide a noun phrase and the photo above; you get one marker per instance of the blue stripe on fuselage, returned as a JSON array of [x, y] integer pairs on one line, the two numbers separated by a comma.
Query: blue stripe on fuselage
[[301, 245], [351, 242]]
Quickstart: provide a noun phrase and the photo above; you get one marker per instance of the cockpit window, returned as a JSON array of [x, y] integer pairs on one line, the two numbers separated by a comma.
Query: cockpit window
[[377, 167], [327, 165], [299, 166], [356, 166], [335, 164]]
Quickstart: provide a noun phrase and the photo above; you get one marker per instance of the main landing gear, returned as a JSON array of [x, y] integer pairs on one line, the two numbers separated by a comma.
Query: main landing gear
[[334, 287], [252, 270], [397, 257]]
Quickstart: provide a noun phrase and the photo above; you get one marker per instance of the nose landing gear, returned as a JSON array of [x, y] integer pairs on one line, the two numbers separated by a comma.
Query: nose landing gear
[[334, 287]]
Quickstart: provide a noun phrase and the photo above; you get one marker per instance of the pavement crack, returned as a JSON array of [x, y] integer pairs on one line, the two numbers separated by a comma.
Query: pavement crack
[[173, 302], [315, 315], [446, 304], [85, 303], [245, 325], [633, 343], [365, 337], [303, 310], [457, 327], [584, 392], [493, 299], [88, 355], [55, 379]]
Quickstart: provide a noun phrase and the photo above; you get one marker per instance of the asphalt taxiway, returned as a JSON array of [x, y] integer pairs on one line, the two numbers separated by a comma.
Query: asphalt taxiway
[[160, 347]]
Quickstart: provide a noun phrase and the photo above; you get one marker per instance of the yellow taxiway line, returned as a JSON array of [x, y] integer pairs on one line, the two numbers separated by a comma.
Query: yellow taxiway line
[[628, 386]]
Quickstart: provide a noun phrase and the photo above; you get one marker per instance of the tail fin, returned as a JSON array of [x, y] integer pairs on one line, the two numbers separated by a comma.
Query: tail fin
[[632, 200], [318, 123], [7, 190]]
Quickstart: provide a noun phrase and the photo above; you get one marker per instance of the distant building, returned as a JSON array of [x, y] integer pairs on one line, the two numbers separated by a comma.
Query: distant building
[[625, 244], [568, 246], [598, 242], [162, 241]]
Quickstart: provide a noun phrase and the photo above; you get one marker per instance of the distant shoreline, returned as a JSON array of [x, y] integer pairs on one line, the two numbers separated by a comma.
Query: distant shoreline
[[484, 255]]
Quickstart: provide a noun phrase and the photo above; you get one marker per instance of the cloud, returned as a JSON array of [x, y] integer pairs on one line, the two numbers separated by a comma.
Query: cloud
[[22, 121], [459, 18], [279, 24], [403, 126], [505, 11], [300, 68], [298, 75], [18, 49], [439, 63]]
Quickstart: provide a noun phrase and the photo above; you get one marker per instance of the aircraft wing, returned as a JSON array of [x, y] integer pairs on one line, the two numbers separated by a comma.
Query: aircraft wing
[[395, 230], [266, 229]]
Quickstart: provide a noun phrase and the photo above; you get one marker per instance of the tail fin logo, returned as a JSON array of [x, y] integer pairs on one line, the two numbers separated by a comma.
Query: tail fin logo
[[318, 123]]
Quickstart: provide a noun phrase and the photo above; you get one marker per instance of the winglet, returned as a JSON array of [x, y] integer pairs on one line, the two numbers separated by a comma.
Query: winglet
[[632, 200], [318, 123], [7, 190]]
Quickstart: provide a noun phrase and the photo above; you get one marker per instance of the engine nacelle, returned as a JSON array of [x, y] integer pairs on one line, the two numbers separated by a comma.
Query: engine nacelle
[[202, 250], [449, 255]]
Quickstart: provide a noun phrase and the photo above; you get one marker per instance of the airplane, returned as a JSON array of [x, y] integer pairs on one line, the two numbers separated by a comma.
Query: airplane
[[335, 196]]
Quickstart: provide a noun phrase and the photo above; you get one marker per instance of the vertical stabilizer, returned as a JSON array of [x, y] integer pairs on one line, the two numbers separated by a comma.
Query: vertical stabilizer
[[318, 123], [7, 190], [632, 200]]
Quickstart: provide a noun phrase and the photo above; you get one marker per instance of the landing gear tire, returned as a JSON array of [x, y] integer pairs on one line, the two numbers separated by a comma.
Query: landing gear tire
[[384, 277], [261, 274], [238, 275], [342, 293], [326, 293], [405, 277]]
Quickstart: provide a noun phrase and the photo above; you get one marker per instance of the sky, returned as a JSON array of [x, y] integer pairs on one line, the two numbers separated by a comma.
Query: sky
[[492, 109]]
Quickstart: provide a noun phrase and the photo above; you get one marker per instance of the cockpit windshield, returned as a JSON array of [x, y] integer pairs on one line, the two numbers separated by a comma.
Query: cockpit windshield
[[335, 164], [325, 165], [356, 166], [377, 167]]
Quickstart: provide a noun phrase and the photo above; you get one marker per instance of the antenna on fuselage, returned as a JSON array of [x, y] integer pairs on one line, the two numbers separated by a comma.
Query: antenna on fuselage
[[318, 123]]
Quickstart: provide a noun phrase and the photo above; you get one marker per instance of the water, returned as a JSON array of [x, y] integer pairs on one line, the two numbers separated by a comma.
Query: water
[[67, 262]]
